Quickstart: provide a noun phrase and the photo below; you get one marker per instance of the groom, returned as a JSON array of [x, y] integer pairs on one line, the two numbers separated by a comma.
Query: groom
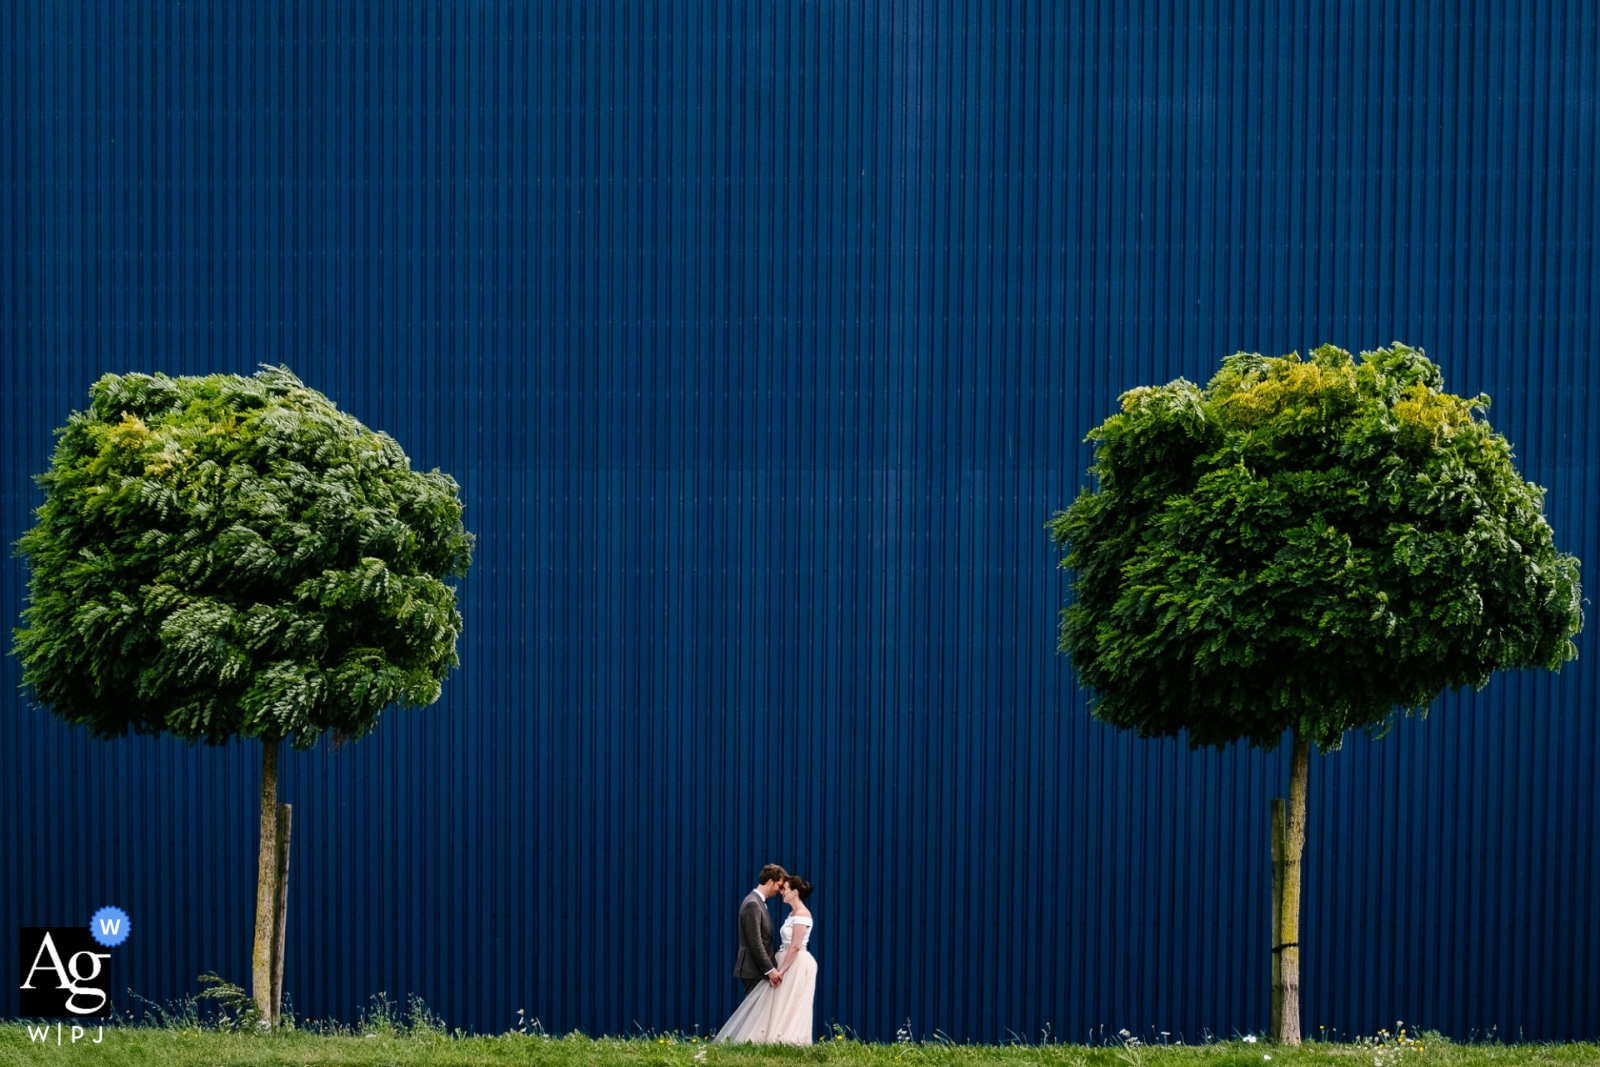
[[757, 946]]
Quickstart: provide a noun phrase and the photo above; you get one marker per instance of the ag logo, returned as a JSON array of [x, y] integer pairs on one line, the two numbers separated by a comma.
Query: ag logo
[[64, 972]]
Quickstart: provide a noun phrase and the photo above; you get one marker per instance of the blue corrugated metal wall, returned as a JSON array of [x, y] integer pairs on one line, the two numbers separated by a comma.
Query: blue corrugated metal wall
[[762, 338]]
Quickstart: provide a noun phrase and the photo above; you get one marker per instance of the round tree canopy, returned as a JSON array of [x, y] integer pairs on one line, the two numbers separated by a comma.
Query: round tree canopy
[[1305, 546], [223, 557]]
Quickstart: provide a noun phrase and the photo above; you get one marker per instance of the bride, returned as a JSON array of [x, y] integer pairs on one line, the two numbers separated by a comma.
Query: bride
[[781, 1014]]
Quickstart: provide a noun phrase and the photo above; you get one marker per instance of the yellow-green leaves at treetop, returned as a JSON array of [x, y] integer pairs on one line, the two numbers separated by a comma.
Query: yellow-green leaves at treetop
[[1305, 546], [231, 556]]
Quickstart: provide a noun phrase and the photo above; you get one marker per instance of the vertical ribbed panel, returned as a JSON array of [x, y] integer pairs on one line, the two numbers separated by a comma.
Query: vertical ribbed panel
[[762, 338]]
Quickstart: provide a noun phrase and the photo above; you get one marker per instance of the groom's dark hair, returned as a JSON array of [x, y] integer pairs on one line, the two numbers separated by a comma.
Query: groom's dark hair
[[772, 873]]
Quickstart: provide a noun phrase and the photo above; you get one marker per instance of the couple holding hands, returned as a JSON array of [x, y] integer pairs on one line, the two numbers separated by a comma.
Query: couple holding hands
[[779, 975]]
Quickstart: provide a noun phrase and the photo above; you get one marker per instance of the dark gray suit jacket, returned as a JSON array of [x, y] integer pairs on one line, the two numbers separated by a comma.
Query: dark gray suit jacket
[[757, 944]]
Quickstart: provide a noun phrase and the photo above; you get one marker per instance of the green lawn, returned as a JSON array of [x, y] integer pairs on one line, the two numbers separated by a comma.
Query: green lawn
[[196, 1046]]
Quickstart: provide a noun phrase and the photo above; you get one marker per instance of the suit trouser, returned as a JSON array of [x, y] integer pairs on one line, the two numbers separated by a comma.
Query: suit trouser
[[750, 983]]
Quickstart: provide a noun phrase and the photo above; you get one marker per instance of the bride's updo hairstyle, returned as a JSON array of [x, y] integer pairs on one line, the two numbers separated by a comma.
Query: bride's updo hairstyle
[[800, 886]]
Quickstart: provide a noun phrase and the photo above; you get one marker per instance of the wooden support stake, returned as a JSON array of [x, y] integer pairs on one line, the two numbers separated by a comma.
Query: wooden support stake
[[1278, 825], [280, 913]]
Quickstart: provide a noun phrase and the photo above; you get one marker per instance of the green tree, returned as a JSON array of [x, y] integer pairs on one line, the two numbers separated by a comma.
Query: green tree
[[1304, 548], [227, 557]]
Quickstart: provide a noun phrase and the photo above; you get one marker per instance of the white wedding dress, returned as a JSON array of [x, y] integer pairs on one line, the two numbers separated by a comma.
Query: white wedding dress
[[779, 1015]]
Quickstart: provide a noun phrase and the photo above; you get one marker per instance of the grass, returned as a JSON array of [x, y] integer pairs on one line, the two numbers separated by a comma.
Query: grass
[[217, 1027], [390, 1039]]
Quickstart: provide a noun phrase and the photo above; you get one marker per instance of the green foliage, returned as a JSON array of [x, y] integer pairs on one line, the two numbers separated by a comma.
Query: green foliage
[[1305, 546], [236, 1008], [226, 557]]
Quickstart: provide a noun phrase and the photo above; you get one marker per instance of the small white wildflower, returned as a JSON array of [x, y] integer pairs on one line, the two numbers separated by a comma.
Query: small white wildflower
[[1123, 1032], [1265, 1056], [1249, 1039]]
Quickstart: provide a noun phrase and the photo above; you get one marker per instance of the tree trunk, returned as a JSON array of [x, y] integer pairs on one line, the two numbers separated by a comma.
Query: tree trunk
[[1286, 1027], [266, 883]]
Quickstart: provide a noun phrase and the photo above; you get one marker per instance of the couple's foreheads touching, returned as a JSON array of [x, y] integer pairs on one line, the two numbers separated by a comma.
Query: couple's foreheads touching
[[774, 881]]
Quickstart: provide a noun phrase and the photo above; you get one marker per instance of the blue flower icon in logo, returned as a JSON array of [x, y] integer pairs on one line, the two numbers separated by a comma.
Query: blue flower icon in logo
[[110, 926]]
